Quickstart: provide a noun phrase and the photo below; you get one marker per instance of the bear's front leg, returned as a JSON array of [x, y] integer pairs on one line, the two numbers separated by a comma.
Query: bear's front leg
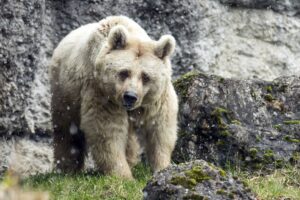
[[161, 136], [106, 131], [133, 147]]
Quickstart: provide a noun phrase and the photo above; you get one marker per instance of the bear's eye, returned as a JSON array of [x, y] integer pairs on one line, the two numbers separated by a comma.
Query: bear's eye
[[145, 78], [124, 74]]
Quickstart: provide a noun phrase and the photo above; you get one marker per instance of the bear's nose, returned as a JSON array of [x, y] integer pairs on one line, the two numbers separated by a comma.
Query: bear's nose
[[129, 99]]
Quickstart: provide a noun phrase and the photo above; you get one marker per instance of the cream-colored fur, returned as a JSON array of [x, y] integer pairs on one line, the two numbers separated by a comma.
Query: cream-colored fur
[[91, 70]]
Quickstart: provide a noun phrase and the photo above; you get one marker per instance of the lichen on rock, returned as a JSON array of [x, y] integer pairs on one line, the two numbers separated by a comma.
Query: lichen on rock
[[227, 125], [195, 180]]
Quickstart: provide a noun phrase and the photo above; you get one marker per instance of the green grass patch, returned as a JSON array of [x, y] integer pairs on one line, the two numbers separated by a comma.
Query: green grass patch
[[281, 184], [90, 186]]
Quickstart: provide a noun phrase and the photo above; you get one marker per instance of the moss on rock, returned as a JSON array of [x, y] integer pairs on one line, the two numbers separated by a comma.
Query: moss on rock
[[278, 127], [182, 84], [191, 177], [292, 140], [269, 97], [198, 174], [184, 181], [291, 122], [253, 152]]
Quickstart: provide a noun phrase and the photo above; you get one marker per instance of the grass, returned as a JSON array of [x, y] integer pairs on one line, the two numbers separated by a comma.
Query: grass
[[281, 184], [90, 186]]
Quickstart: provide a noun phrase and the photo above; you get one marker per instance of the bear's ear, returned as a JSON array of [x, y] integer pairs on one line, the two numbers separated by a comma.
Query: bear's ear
[[117, 38], [165, 46]]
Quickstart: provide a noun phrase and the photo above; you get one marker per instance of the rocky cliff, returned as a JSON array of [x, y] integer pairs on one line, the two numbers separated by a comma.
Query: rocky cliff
[[230, 38], [220, 118]]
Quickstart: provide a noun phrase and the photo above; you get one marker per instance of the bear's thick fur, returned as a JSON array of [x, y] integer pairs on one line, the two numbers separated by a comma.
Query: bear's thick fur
[[112, 93]]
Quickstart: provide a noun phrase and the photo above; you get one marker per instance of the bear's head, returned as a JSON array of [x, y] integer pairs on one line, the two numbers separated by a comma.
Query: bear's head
[[134, 71]]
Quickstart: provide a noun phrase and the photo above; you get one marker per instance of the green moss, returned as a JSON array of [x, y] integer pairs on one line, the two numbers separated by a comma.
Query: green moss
[[194, 197], [289, 139], [184, 181], [257, 138], [289, 122], [182, 84], [225, 133], [221, 192], [197, 174], [237, 122], [220, 143], [191, 178], [269, 97], [222, 172], [218, 113], [253, 152], [278, 127], [269, 88], [268, 156]]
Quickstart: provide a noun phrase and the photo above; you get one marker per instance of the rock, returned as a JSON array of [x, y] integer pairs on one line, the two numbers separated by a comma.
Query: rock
[[216, 37], [195, 180], [31, 155], [26, 156], [249, 124], [290, 7], [24, 103]]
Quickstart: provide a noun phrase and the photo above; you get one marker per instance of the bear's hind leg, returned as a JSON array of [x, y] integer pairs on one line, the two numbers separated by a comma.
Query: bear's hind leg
[[69, 150]]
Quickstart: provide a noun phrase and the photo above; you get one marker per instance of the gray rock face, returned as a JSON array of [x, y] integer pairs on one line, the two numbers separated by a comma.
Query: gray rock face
[[212, 37], [26, 156], [31, 30], [249, 124], [291, 7], [20, 58], [31, 155], [195, 180]]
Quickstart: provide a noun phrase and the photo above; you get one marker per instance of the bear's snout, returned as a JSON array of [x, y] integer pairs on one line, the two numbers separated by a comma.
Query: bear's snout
[[129, 99]]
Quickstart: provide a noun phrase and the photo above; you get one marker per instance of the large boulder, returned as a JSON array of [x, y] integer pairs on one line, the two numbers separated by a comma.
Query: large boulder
[[290, 7], [195, 180], [223, 37], [246, 123]]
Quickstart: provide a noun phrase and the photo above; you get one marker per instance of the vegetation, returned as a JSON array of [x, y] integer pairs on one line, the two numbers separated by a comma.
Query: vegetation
[[289, 122], [184, 81], [281, 184], [91, 186]]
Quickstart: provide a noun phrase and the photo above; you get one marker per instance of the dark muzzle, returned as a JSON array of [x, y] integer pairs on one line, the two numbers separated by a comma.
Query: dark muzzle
[[129, 99]]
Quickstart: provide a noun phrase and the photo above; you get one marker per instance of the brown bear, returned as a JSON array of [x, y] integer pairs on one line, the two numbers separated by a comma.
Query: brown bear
[[112, 94]]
